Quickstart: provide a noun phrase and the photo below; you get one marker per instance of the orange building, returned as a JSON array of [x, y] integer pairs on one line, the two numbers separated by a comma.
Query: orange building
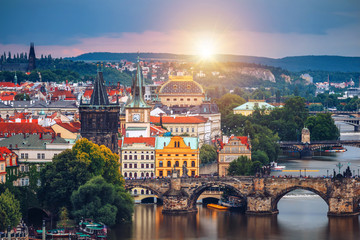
[[176, 152], [8, 164]]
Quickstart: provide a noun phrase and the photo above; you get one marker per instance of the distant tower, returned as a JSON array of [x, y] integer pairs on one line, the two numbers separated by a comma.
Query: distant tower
[[32, 58], [99, 119], [137, 112], [15, 79], [305, 135]]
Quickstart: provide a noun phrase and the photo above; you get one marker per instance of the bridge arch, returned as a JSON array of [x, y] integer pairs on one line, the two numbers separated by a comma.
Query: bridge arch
[[138, 185], [198, 191], [282, 193]]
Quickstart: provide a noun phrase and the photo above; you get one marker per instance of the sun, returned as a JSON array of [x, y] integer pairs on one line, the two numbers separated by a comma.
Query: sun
[[206, 49]]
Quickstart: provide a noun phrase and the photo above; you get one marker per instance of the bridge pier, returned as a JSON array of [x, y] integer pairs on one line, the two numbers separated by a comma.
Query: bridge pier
[[176, 200], [260, 205], [340, 206]]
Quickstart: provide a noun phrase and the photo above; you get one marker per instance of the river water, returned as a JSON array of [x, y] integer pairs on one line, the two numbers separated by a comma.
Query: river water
[[302, 214]]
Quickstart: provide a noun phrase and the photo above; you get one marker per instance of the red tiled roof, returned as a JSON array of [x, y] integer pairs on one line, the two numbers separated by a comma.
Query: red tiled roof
[[156, 130], [68, 95], [147, 140], [88, 93], [19, 128], [178, 119], [5, 151], [7, 84], [69, 127]]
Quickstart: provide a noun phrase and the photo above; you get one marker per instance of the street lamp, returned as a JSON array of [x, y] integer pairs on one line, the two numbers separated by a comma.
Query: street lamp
[[339, 165], [327, 173]]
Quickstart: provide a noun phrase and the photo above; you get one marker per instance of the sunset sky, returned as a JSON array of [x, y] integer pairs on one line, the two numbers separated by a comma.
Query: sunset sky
[[269, 28]]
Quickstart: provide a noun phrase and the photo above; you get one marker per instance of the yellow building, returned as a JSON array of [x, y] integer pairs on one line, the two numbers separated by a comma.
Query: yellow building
[[231, 150], [176, 152], [181, 91], [69, 131]]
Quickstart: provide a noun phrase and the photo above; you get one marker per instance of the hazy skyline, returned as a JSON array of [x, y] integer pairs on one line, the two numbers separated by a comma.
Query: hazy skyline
[[269, 28]]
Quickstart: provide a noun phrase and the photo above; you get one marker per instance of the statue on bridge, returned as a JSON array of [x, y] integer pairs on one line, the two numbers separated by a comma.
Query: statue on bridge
[[185, 171]]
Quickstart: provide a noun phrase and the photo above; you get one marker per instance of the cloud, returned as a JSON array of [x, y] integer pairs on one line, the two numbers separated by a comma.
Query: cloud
[[337, 41]]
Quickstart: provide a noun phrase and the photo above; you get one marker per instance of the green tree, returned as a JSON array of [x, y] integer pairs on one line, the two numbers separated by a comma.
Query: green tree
[[260, 156], [9, 210], [208, 154], [229, 101], [102, 202], [240, 166], [322, 127], [74, 167]]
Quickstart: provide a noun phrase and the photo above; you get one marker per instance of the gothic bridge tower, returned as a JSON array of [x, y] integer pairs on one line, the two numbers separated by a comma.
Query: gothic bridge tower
[[32, 58], [100, 119]]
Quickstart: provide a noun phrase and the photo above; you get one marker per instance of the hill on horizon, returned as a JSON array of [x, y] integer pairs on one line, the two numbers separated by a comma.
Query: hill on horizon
[[293, 63]]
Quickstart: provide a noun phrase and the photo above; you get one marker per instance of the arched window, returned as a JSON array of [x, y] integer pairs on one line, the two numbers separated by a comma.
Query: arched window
[[160, 164], [192, 163], [135, 191], [125, 174], [177, 163], [142, 191], [142, 174], [135, 175], [185, 163], [147, 174], [130, 174], [147, 191], [168, 164]]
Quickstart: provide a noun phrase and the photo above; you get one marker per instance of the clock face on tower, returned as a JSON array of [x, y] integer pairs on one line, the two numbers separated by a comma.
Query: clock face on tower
[[136, 117]]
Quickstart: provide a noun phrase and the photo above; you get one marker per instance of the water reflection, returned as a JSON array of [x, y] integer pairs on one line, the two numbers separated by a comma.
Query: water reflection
[[295, 221]]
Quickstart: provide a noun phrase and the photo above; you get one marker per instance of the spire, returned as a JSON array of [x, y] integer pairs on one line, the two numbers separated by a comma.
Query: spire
[[138, 89], [32, 58], [99, 95], [15, 79]]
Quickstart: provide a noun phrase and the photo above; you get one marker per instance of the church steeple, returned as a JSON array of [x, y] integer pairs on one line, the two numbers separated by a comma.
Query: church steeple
[[32, 58], [137, 90], [99, 95], [15, 79]]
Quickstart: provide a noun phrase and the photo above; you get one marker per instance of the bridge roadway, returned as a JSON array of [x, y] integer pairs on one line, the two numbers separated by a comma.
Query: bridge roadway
[[259, 195]]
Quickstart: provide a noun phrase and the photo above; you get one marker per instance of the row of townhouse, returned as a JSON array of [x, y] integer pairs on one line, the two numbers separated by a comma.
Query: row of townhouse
[[143, 157]]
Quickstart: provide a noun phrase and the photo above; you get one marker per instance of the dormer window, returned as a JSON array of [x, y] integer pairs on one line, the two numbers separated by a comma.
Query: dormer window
[[247, 107]]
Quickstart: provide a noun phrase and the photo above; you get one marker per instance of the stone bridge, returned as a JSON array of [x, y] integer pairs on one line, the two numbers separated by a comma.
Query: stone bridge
[[259, 195]]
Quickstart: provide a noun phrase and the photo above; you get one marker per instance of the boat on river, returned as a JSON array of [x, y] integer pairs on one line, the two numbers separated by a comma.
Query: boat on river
[[93, 229], [275, 167], [217, 206], [336, 150]]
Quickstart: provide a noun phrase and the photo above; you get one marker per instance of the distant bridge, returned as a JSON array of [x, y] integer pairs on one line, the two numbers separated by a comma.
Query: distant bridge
[[337, 112], [259, 195], [306, 149]]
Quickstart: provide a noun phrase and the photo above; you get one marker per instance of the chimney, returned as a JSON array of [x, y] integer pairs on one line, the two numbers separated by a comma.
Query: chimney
[[161, 123]]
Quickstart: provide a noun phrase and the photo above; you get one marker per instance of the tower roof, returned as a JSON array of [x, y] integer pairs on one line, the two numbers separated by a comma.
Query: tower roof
[[99, 95], [137, 91]]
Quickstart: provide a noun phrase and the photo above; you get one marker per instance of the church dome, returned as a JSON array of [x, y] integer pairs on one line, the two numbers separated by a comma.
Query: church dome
[[181, 84]]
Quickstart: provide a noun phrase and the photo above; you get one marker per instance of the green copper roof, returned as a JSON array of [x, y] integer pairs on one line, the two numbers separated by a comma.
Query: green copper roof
[[254, 105], [137, 94]]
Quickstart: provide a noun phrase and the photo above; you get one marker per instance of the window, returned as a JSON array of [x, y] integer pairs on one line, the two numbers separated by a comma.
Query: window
[[160, 154], [152, 174], [193, 173], [22, 155], [142, 165], [176, 154], [192, 163], [188, 99], [125, 157], [2, 167], [168, 99], [169, 155], [125, 165], [187, 129], [55, 154], [176, 130], [181, 99], [177, 164], [174, 99], [130, 174], [43, 156], [193, 129], [135, 157], [195, 99], [185, 155], [152, 165], [26, 155], [171, 129], [185, 163], [147, 165], [130, 165], [22, 168], [142, 157], [38, 156], [160, 164], [182, 129], [160, 173], [147, 157], [152, 157], [168, 164], [135, 165], [168, 173], [130, 157], [193, 155]]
